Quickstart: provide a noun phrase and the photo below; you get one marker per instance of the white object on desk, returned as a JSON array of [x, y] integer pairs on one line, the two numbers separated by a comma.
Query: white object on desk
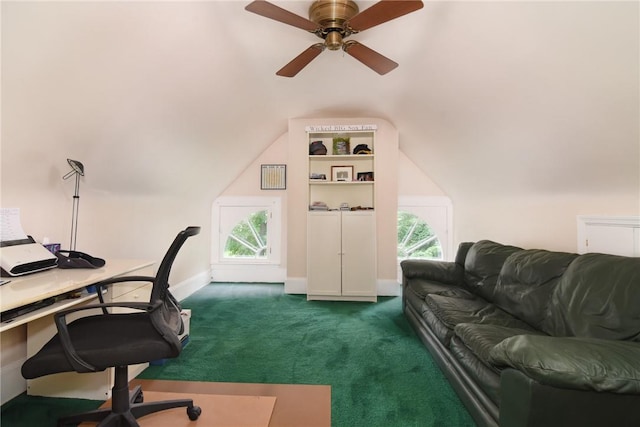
[[10, 226], [24, 255], [26, 258]]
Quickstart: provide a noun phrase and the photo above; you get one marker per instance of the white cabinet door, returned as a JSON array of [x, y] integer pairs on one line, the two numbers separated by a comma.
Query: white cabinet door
[[341, 255], [609, 235], [358, 254], [323, 254]]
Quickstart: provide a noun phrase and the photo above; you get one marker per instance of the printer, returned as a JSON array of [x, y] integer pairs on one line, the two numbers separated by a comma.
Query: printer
[[24, 256]]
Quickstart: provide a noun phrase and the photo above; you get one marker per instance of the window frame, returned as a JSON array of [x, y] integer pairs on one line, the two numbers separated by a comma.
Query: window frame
[[224, 206], [423, 207]]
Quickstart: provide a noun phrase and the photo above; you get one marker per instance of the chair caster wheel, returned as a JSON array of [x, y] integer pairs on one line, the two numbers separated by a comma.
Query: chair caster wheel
[[139, 398], [194, 412]]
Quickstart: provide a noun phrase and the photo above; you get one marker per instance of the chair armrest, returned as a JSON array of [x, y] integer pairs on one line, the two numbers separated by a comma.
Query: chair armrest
[[79, 364], [122, 279], [574, 363], [441, 271], [114, 280]]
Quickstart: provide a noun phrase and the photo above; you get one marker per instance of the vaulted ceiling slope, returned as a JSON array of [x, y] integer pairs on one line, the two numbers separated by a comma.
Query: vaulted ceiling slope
[[507, 97]]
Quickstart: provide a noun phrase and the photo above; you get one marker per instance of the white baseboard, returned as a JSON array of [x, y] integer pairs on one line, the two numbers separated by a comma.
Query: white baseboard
[[298, 285], [248, 273], [295, 285], [185, 288], [389, 288]]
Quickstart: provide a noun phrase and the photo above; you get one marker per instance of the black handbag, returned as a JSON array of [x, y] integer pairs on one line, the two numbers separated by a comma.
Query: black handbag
[[76, 259]]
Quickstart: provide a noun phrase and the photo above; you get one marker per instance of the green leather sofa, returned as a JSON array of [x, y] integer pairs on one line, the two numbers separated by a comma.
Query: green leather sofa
[[529, 337]]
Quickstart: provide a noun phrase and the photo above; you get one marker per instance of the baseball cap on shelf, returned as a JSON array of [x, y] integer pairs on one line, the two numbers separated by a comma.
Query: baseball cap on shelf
[[362, 149]]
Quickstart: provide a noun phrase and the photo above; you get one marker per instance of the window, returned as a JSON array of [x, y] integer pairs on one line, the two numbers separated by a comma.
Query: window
[[416, 239], [248, 239], [246, 236], [424, 228]]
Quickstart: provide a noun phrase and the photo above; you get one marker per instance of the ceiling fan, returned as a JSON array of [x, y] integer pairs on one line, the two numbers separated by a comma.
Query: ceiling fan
[[333, 21]]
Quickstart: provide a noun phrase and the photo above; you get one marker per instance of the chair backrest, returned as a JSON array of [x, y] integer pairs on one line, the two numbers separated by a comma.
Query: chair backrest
[[167, 318]]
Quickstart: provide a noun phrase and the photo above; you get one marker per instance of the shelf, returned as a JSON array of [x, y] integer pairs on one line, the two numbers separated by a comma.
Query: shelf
[[334, 157], [349, 166], [320, 182], [45, 311]]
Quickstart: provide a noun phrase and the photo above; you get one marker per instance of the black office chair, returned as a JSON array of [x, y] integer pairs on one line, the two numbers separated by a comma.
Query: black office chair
[[100, 341]]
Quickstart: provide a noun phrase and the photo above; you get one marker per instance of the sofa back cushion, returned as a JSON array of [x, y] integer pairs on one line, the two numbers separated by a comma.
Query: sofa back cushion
[[526, 282], [461, 254], [599, 297], [483, 264]]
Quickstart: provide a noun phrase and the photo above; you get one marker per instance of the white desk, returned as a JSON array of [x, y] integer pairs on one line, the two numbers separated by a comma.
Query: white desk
[[24, 290], [31, 288]]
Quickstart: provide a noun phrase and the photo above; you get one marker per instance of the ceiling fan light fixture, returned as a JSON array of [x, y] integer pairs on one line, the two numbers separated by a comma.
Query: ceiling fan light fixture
[[333, 41]]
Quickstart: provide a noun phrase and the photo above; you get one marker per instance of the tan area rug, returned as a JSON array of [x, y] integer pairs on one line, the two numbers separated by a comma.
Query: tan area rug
[[217, 411], [250, 404]]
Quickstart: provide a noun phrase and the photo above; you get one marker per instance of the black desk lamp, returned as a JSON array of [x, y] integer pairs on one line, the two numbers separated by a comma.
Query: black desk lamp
[[77, 169]]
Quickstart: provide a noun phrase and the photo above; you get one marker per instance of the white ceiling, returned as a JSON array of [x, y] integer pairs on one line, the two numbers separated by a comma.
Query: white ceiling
[[503, 96]]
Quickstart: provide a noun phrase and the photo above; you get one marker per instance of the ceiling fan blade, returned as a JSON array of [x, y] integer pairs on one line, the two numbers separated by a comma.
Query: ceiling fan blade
[[369, 57], [301, 61], [270, 10], [381, 12]]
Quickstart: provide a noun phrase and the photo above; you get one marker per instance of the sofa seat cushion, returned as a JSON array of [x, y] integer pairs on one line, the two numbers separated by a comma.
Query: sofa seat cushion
[[479, 373], [453, 311], [414, 299], [481, 338], [416, 292], [423, 287], [576, 363], [471, 345], [440, 330]]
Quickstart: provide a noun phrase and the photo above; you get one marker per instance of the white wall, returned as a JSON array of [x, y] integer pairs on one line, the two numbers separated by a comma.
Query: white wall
[[530, 112], [247, 185], [535, 221], [414, 182]]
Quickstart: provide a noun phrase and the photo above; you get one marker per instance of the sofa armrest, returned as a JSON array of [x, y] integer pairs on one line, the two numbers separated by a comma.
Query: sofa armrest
[[575, 363], [525, 402], [440, 271]]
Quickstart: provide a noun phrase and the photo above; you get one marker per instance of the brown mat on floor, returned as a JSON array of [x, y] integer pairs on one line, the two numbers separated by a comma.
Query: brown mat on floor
[[295, 404], [217, 410]]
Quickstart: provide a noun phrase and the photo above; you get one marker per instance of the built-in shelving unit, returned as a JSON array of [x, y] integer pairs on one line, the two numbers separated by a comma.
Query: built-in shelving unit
[[348, 178], [341, 224]]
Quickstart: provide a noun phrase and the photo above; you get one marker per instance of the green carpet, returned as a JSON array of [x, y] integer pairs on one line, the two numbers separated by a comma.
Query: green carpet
[[380, 374]]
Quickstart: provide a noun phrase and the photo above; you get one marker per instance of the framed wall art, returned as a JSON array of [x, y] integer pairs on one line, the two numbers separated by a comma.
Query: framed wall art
[[273, 177]]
